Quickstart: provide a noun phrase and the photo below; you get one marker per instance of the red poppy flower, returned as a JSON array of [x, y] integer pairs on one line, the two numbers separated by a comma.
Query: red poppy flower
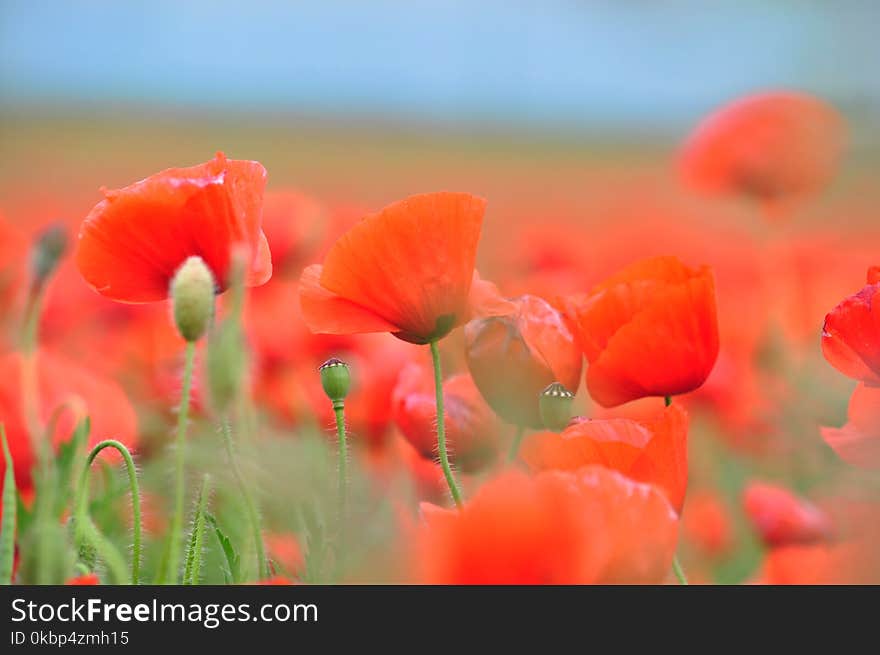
[[61, 382], [706, 522], [858, 442], [584, 527], [652, 451], [86, 579], [650, 330], [408, 270], [782, 519], [851, 336], [767, 146], [472, 430], [844, 563], [133, 241], [513, 358]]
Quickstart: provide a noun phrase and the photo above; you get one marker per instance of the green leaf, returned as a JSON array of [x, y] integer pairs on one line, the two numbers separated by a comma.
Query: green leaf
[[233, 560], [7, 526]]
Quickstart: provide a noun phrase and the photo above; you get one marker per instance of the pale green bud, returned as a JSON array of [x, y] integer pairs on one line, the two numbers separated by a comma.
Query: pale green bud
[[192, 293]]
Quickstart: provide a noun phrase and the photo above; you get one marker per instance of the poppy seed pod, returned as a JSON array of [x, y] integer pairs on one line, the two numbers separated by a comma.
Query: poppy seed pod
[[336, 379], [192, 294], [555, 406]]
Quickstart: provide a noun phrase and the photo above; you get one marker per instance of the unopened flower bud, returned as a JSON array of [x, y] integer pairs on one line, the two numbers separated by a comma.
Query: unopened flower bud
[[225, 363], [336, 379], [555, 405], [47, 252], [192, 293]]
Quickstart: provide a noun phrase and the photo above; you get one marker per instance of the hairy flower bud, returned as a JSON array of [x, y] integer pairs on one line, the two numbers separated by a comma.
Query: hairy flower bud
[[336, 379], [225, 363], [555, 405], [192, 293]]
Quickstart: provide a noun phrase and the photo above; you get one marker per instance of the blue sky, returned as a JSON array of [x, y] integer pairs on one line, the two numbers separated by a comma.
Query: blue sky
[[552, 63]]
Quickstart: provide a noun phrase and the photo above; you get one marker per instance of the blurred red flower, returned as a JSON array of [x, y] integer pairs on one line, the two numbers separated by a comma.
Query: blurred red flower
[[820, 564], [284, 549], [706, 523], [652, 451], [650, 330], [472, 429], [276, 581], [294, 224], [851, 336], [84, 580], [408, 270], [513, 358], [858, 442], [783, 519], [592, 526], [771, 146], [61, 382], [133, 241]]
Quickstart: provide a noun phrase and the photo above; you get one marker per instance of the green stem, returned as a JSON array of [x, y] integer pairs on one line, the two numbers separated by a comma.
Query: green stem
[[667, 400], [342, 489], [250, 506], [182, 416], [514, 446], [679, 573], [82, 499], [441, 426]]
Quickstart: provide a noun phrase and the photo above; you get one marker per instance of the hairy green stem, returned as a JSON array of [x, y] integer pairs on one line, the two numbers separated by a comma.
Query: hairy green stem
[[82, 500], [250, 506], [441, 426], [180, 457], [342, 488]]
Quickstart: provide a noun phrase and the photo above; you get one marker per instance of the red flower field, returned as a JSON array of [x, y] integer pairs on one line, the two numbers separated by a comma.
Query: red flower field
[[325, 357]]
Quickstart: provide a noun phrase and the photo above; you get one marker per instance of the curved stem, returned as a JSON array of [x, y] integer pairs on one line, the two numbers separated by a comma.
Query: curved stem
[[441, 426], [250, 506], [182, 416], [514, 446], [679, 573], [81, 510]]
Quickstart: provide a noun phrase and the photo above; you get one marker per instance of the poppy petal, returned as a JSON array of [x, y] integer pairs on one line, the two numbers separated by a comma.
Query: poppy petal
[[411, 263], [326, 313]]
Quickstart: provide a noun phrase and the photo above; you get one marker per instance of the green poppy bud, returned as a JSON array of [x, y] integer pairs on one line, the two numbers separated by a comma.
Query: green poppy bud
[[192, 294], [555, 405], [336, 379], [225, 364], [47, 252]]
